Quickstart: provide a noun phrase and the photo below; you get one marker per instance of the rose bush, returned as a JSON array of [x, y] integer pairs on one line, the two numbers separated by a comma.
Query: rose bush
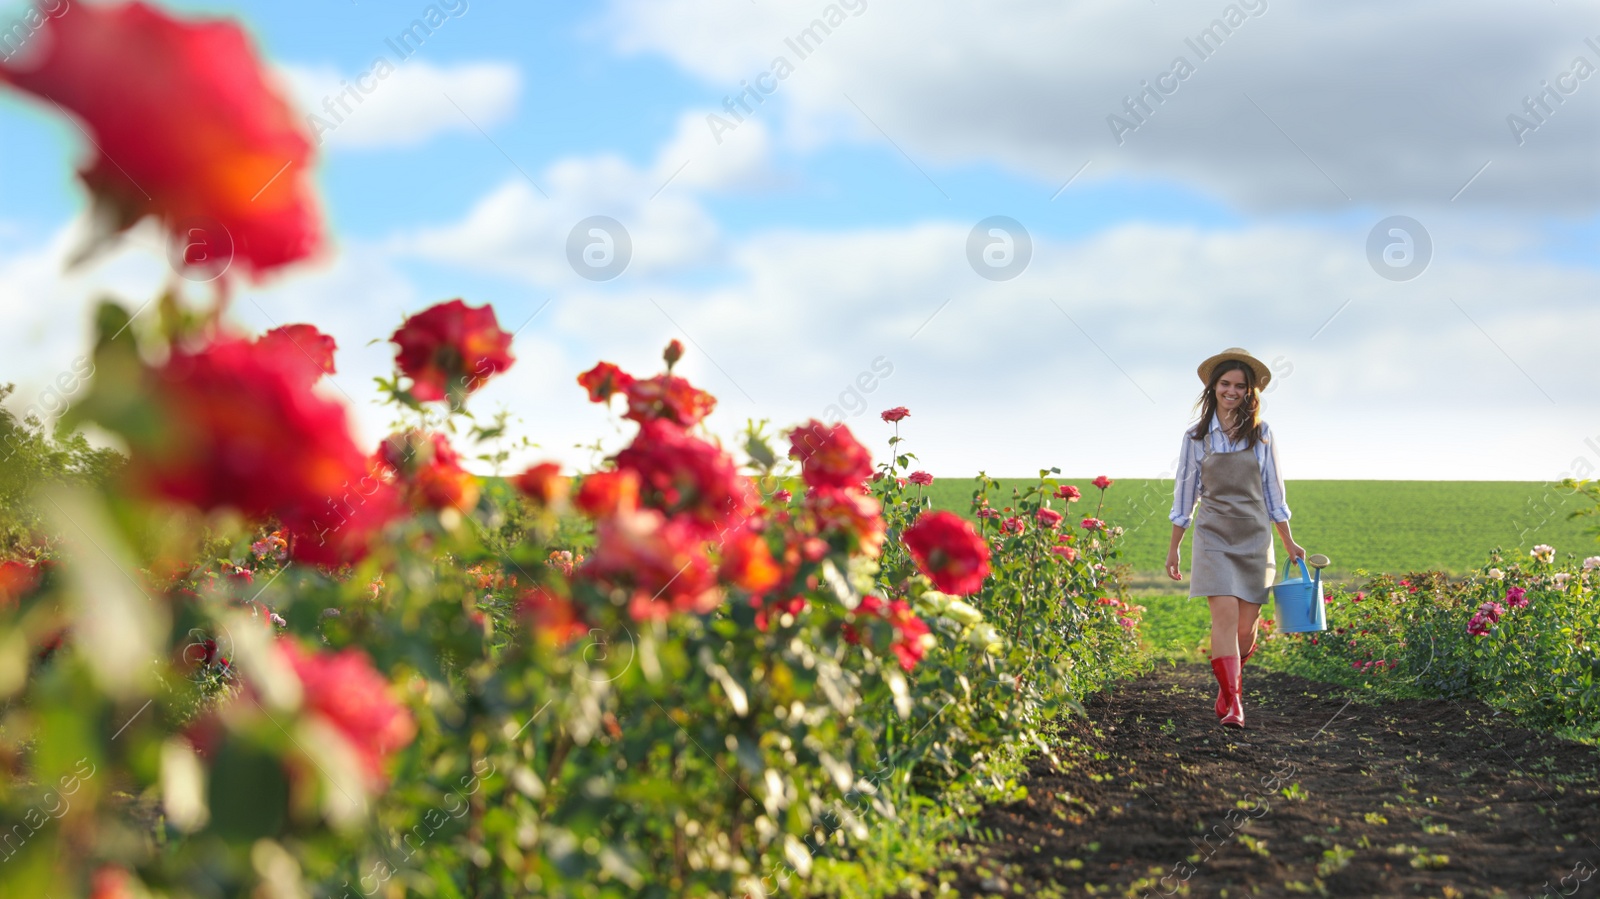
[[1522, 634], [677, 684], [271, 661]]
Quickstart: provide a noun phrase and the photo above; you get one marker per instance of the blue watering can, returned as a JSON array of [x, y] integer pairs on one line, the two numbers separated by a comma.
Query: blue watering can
[[1299, 599]]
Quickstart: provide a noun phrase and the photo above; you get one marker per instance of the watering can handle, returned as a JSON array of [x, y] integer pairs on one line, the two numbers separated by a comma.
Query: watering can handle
[[1303, 572]]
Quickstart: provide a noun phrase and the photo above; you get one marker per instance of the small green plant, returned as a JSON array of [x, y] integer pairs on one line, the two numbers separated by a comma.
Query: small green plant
[[1294, 791], [1259, 847], [1334, 859]]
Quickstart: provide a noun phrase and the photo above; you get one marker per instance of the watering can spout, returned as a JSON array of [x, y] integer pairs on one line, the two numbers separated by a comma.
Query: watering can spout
[[1318, 561]]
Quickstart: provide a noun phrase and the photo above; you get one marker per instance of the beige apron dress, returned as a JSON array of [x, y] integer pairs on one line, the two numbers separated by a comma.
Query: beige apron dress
[[1232, 535]]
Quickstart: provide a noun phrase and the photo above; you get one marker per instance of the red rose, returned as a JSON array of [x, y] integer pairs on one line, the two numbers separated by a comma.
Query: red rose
[[895, 414], [829, 455], [684, 476], [302, 348], [344, 531], [554, 619], [782, 496], [1013, 525], [604, 380], [1093, 524], [232, 425], [544, 484], [908, 628], [1064, 551], [431, 471], [1048, 518], [948, 551], [845, 513], [607, 493], [1103, 482], [673, 353], [450, 349], [345, 691], [184, 126], [111, 882], [920, 478], [660, 563], [669, 398], [17, 579], [748, 564], [1068, 493]]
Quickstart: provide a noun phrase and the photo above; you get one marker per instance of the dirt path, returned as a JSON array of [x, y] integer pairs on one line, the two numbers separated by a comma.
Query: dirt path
[[1318, 795]]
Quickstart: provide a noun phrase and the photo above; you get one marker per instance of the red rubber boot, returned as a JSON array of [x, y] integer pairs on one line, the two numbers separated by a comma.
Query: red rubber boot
[[1235, 715], [1229, 707], [1219, 667]]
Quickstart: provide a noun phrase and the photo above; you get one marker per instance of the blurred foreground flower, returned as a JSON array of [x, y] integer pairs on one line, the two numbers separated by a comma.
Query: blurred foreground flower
[[429, 470], [545, 485], [235, 426], [344, 690], [17, 579], [200, 138], [450, 349], [302, 348], [829, 456], [948, 551], [660, 564], [685, 477], [911, 635]]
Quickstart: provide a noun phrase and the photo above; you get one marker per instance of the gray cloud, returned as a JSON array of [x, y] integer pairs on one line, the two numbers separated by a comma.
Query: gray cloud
[[1296, 106]]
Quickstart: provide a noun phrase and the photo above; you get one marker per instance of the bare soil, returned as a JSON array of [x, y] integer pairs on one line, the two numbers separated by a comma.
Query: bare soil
[[1319, 794]]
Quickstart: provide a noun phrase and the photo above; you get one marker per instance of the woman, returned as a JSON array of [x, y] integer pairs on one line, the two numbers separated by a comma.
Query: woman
[[1228, 462]]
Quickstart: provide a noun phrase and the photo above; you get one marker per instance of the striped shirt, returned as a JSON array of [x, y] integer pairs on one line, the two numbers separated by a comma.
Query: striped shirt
[[1186, 489]]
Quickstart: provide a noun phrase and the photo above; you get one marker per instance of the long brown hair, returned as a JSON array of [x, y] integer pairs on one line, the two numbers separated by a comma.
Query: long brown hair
[[1248, 423]]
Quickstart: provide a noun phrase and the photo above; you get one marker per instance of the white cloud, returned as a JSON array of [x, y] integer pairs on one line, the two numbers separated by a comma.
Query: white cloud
[[521, 228], [705, 160], [393, 106], [1386, 103], [1400, 383], [1085, 361]]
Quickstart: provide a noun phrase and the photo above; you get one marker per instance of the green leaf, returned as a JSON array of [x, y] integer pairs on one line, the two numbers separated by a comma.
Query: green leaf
[[247, 792]]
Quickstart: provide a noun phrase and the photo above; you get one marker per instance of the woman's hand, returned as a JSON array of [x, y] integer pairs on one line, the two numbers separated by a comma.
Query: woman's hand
[[1295, 550], [1172, 565]]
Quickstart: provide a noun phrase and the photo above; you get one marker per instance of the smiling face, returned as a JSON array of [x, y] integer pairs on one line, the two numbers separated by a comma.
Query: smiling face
[[1230, 391]]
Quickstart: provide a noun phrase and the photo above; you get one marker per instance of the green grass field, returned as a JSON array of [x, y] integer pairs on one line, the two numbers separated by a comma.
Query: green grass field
[[1177, 627], [1379, 526]]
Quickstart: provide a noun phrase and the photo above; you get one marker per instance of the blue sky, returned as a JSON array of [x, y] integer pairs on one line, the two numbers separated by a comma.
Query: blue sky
[[830, 228]]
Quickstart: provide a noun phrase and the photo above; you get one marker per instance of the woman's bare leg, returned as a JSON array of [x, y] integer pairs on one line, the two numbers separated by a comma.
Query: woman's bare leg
[[1249, 617], [1224, 625]]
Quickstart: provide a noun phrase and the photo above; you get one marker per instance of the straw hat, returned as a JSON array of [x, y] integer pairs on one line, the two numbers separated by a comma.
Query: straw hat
[[1263, 374]]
